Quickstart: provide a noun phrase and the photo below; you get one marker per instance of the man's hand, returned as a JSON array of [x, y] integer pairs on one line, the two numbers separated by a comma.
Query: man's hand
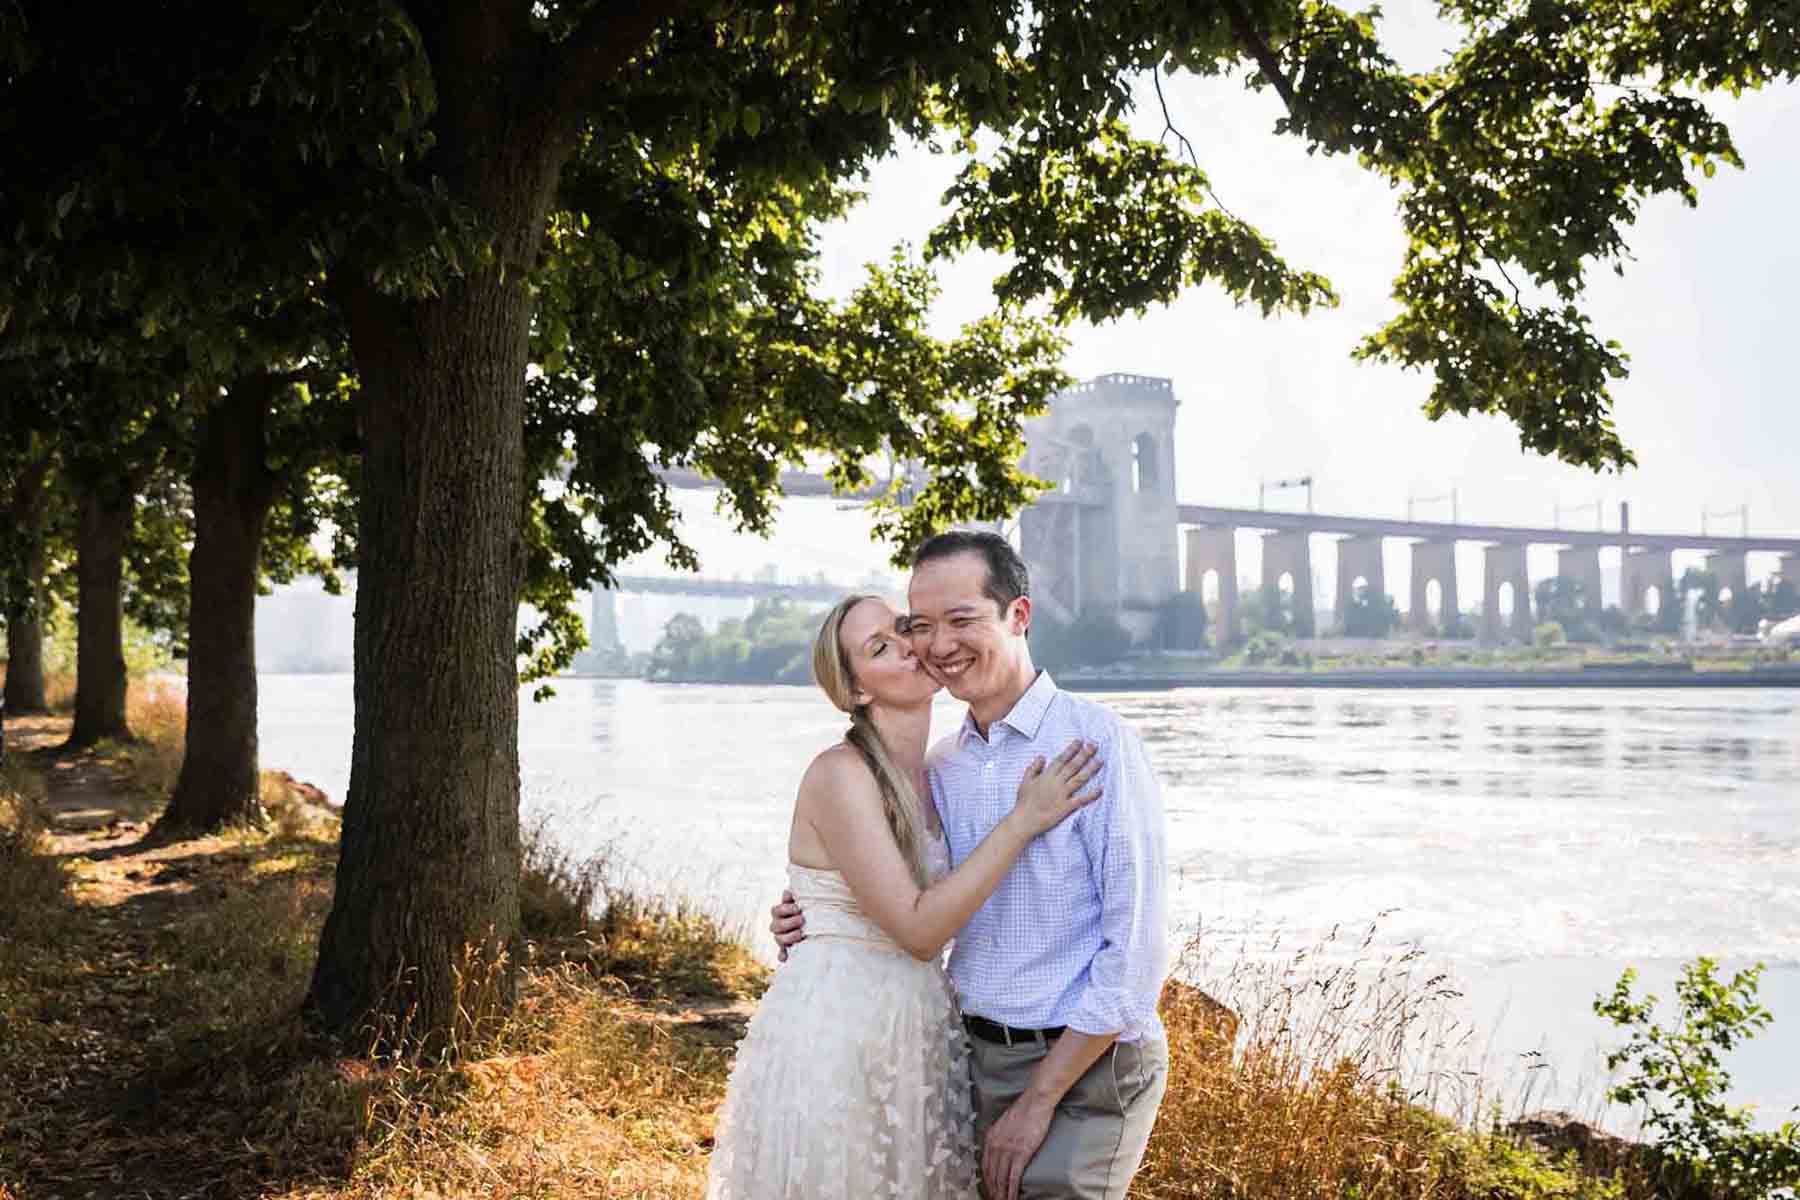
[[787, 923], [1011, 1143]]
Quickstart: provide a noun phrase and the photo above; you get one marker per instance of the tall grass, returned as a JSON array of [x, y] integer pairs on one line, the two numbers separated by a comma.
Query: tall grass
[[32, 885], [1345, 1074], [156, 711]]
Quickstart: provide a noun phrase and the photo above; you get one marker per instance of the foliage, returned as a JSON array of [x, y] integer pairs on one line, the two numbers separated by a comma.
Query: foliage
[[1678, 1079], [1180, 622], [1549, 633], [1775, 601], [643, 186], [1265, 646], [1707, 607], [1564, 600], [1458, 626], [772, 645], [1783, 599], [675, 321], [1612, 621], [1269, 610], [1092, 639], [1370, 616]]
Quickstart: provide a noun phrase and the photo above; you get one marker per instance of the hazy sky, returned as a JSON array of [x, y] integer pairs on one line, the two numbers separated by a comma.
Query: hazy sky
[[1705, 311]]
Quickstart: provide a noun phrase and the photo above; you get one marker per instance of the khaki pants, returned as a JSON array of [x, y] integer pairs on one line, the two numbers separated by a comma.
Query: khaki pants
[[1100, 1129]]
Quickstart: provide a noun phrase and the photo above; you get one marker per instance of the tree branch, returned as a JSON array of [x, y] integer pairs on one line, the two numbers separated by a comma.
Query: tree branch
[[602, 42], [1259, 49]]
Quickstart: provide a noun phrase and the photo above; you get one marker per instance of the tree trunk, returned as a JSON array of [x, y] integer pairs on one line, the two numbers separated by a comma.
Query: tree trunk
[[419, 940], [104, 522], [25, 610], [232, 494]]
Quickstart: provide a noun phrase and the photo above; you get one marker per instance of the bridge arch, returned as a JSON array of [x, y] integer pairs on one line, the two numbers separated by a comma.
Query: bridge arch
[[1507, 601], [1434, 601]]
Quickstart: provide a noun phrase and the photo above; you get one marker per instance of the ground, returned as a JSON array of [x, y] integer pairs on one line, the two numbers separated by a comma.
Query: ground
[[151, 1042]]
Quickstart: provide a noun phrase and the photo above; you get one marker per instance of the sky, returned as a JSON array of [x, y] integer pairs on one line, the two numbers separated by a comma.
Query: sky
[[1704, 311]]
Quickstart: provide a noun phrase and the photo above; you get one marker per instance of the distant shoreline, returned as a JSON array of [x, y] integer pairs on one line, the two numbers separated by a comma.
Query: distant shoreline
[[1390, 677], [1441, 677]]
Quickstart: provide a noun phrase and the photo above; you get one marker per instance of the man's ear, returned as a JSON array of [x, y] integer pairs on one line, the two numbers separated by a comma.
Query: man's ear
[[1020, 619]]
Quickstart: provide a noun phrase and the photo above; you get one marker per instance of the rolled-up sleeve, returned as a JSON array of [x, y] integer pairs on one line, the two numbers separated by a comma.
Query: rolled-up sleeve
[[1125, 841]]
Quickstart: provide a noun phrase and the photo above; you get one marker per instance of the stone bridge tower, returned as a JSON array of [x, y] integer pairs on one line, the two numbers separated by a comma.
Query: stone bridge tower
[[1106, 537]]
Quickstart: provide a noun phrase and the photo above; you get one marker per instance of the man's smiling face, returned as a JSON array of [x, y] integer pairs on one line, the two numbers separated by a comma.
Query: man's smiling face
[[964, 637]]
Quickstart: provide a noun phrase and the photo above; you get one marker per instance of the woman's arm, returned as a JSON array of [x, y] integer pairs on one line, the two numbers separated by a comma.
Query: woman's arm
[[839, 797]]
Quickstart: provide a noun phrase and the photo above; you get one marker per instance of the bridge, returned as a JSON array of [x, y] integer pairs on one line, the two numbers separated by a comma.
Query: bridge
[[1108, 536]]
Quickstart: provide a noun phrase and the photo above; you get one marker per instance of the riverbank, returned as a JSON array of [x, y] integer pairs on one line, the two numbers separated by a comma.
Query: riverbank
[[150, 1043], [1675, 676]]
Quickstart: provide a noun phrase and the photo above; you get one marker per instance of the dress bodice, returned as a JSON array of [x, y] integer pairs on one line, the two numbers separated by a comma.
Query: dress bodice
[[831, 909]]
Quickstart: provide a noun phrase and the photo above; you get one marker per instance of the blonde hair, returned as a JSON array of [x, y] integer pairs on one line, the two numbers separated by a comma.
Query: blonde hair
[[899, 799]]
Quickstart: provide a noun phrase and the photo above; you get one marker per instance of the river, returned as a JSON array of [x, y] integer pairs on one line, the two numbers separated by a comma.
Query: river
[[1529, 842]]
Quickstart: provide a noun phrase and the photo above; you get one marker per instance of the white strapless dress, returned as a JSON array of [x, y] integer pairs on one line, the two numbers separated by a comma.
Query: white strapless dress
[[853, 1078]]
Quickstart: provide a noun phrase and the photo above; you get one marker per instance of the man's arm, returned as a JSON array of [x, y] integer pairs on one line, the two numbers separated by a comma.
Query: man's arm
[[1015, 1137], [1125, 841]]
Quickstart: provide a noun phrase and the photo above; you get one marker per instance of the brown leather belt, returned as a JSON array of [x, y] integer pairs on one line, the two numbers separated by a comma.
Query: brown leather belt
[[1007, 1035]]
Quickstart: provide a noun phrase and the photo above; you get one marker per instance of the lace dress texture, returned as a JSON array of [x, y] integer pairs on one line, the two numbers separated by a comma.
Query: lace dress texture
[[853, 1078]]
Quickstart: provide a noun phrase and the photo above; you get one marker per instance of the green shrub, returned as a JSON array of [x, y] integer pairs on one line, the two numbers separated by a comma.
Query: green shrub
[[1264, 647], [1549, 634], [1678, 1079]]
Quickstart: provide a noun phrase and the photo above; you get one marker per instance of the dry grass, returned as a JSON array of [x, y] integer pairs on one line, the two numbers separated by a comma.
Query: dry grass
[[156, 713], [1346, 1077], [33, 886], [153, 1044], [59, 695]]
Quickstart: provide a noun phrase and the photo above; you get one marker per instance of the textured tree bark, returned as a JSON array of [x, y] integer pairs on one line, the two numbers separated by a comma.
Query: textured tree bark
[[100, 683], [233, 490], [426, 906], [25, 691]]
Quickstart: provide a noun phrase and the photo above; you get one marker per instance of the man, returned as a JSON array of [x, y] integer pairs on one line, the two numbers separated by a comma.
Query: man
[[1059, 972]]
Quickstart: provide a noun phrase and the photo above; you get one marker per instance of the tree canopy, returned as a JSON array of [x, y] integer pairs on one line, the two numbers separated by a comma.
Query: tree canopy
[[576, 242]]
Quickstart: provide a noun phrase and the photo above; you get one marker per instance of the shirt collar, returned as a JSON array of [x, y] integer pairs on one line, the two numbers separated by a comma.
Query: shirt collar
[[1027, 713]]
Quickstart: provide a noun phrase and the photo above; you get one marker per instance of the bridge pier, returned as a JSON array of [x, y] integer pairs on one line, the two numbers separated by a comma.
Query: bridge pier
[[1433, 561], [1641, 570], [1359, 557], [1501, 565], [1290, 553], [1214, 548], [1582, 564]]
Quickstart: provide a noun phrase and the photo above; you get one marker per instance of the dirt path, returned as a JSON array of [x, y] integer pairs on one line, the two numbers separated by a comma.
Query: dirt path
[[87, 1070]]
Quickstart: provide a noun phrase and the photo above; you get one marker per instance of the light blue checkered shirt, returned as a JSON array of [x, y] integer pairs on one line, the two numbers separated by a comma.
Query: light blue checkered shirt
[[1077, 932]]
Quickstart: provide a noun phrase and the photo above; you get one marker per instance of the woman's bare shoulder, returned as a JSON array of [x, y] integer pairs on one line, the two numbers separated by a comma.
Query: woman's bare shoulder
[[835, 773]]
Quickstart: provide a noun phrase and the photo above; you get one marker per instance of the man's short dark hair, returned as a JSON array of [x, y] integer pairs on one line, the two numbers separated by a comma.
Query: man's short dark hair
[[1007, 578]]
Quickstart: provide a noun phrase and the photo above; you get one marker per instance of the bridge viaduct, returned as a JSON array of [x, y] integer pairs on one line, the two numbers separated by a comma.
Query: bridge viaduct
[[1107, 536]]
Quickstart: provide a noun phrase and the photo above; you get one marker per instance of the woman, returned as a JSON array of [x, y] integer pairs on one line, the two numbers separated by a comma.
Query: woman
[[852, 1080]]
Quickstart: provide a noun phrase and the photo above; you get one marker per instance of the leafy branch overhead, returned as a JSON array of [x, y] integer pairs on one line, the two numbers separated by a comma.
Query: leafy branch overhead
[[676, 315]]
